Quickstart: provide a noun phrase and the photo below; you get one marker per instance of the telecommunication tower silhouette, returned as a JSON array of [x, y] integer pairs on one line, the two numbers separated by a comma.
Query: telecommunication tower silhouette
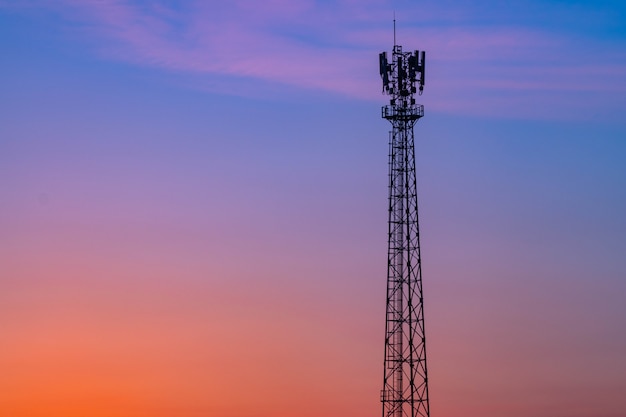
[[405, 386]]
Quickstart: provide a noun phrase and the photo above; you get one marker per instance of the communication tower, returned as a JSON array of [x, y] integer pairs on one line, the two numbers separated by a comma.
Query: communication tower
[[405, 386]]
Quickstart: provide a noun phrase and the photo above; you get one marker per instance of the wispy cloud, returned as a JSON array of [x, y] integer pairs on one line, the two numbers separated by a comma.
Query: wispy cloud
[[332, 46]]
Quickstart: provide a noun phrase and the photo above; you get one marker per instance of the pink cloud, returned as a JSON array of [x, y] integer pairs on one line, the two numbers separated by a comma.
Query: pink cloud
[[228, 41], [333, 47]]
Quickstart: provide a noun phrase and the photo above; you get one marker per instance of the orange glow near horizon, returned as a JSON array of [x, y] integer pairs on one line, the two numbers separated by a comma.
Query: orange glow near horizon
[[96, 340]]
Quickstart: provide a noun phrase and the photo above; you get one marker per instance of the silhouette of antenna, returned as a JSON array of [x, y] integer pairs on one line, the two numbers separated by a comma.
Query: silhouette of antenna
[[405, 383]]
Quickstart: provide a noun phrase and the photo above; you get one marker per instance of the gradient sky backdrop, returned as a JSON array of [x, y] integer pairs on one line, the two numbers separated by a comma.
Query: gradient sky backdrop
[[193, 207]]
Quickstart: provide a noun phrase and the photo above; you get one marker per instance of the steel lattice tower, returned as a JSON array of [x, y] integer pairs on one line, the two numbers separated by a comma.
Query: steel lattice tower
[[405, 386]]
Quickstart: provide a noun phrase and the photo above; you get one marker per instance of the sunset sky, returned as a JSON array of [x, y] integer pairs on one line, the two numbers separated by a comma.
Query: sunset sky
[[193, 206]]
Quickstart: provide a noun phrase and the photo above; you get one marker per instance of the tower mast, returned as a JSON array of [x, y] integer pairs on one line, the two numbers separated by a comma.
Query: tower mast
[[405, 385]]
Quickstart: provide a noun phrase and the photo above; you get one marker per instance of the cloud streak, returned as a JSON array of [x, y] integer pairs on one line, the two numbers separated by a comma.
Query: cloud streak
[[331, 47]]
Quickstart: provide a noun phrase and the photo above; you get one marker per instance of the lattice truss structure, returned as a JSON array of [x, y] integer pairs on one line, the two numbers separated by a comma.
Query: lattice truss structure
[[405, 386]]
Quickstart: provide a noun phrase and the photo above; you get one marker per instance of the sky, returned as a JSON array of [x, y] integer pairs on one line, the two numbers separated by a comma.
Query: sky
[[193, 206]]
